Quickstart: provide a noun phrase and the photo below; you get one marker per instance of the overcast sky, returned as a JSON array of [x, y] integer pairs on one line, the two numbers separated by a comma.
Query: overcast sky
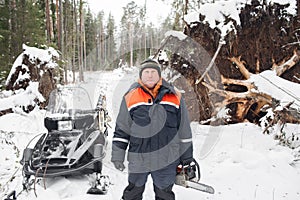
[[157, 11]]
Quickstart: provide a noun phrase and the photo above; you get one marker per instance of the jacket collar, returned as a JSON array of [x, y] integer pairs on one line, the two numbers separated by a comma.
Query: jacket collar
[[168, 86]]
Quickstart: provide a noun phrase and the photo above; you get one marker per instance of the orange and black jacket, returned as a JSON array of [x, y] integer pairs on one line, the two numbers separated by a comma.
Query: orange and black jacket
[[154, 126]]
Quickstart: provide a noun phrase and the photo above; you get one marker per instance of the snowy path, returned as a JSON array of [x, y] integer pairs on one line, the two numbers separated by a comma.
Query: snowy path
[[243, 164]]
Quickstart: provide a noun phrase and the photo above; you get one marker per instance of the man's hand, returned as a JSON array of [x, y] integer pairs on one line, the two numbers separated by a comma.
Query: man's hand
[[119, 165], [187, 161]]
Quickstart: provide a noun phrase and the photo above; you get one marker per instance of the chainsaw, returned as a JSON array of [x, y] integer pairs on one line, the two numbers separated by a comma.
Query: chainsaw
[[188, 175]]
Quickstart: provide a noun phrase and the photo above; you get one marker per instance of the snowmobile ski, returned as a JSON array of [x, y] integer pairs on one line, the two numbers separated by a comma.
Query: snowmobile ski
[[11, 196], [100, 185], [27, 186]]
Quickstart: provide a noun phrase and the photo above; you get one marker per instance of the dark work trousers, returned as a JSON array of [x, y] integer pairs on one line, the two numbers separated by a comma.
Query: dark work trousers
[[163, 181]]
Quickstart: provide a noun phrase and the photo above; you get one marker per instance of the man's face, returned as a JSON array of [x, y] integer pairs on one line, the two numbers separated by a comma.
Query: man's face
[[150, 77]]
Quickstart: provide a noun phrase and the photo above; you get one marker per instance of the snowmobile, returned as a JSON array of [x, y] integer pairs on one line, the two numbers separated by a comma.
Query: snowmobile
[[75, 142]]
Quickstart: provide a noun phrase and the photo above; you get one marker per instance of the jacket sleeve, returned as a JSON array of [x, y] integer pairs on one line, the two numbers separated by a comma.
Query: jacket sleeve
[[121, 134], [185, 134]]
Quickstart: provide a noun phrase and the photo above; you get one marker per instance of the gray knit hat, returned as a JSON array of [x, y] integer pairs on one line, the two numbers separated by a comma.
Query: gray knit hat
[[150, 63]]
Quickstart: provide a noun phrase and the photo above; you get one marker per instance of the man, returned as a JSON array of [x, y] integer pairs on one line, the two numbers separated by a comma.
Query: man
[[153, 121]]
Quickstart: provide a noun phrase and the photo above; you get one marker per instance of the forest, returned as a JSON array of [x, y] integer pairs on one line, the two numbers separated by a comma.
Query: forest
[[86, 41], [265, 36]]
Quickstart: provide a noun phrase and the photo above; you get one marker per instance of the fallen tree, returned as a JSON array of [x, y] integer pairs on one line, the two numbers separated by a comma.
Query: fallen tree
[[35, 73], [249, 60], [245, 101]]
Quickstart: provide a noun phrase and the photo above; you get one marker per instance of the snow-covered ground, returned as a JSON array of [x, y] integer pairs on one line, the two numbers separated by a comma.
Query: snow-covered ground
[[238, 160]]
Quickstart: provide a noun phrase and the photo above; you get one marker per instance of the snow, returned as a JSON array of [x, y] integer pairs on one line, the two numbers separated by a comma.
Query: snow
[[17, 99], [21, 97], [177, 34], [215, 13], [238, 160], [267, 82], [44, 56]]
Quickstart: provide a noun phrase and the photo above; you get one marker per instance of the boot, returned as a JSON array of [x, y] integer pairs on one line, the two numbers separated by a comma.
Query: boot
[[133, 192], [164, 194]]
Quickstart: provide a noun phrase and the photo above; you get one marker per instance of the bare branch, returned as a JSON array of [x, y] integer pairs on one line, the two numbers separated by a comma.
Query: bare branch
[[280, 69], [210, 64], [241, 66]]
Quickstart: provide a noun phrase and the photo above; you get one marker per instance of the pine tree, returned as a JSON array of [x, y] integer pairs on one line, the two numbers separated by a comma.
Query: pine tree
[[100, 39], [32, 24], [128, 19], [111, 44], [20, 22], [5, 60], [91, 31]]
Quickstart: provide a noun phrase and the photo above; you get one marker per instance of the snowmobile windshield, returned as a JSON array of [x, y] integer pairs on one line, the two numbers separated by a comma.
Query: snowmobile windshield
[[68, 102]]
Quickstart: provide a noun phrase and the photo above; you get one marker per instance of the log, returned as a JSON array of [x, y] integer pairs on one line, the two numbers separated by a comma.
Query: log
[[246, 104], [242, 98]]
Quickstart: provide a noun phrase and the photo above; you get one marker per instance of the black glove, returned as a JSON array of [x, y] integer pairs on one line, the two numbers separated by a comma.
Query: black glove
[[119, 165]]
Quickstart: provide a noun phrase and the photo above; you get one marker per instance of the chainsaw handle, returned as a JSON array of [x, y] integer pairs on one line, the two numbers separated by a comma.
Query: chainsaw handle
[[189, 164], [198, 169], [187, 161]]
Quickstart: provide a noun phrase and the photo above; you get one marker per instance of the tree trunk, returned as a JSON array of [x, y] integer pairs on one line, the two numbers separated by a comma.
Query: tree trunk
[[49, 26], [80, 42], [75, 41]]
